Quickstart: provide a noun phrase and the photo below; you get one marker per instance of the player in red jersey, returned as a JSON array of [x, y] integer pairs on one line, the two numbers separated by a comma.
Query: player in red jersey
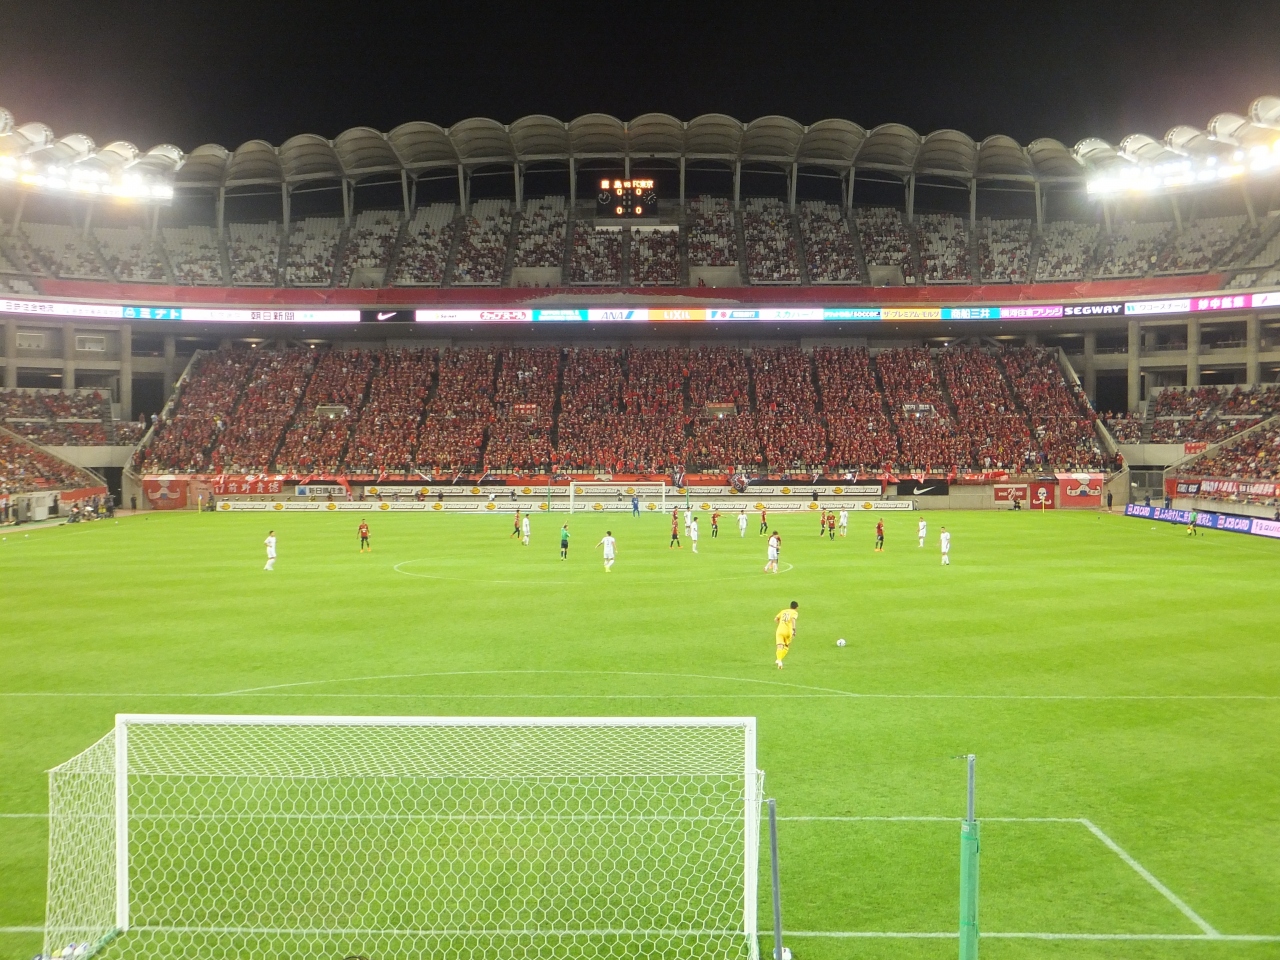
[[715, 524], [764, 522], [831, 525], [364, 538], [675, 530], [880, 535]]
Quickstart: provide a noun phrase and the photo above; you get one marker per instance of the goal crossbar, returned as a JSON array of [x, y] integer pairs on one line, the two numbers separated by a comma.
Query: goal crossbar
[[206, 835]]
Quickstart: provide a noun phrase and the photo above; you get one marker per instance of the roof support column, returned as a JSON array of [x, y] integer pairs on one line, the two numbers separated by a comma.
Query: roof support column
[[519, 183], [462, 189], [791, 191], [155, 223], [911, 198], [737, 184], [1248, 205], [1252, 343], [848, 201], [1106, 216], [404, 192], [222, 208], [626, 166], [88, 219], [284, 207], [1193, 352], [1177, 214], [348, 195], [573, 184], [22, 202], [681, 185], [1135, 364], [1039, 208], [973, 204]]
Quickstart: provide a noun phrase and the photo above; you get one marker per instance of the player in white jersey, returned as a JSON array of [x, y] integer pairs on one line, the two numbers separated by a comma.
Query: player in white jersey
[[922, 528], [742, 523], [844, 523], [271, 550], [775, 543], [524, 529], [693, 534], [688, 519], [946, 547], [610, 547]]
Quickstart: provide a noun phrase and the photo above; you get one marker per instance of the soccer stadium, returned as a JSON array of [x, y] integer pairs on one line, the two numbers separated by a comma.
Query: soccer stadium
[[408, 543]]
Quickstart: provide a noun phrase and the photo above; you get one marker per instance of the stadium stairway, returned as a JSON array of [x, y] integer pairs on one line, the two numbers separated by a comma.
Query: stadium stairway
[[513, 241], [455, 241], [393, 255], [740, 235], [683, 245], [858, 252], [801, 254], [625, 270], [339, 251]]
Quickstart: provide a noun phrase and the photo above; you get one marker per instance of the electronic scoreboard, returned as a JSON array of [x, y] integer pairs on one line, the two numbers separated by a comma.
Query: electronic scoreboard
[[626, 197]]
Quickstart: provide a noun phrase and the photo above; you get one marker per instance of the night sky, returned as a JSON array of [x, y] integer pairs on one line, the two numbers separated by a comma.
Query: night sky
[[225, 72]]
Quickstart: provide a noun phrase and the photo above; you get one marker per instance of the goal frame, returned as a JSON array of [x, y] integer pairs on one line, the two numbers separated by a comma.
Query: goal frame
[[752, 785]]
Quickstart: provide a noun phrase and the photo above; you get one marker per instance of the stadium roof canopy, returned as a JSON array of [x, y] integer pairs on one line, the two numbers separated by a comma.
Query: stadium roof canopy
[[412, 150]]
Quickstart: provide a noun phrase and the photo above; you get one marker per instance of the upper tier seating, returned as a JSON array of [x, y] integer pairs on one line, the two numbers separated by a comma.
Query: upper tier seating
[[944, 248], [369, 243], [713, 241], [1255, 457], [482, 250], [885, 240], [655, 257], [1005, 249], [195, 256], [254, 251], [540, 242], [829, 251], [425, 248], [1132, 249], [54, 418], [313, 250], [771, 247], [131, 255], [64, 251], [1201, 245], [1066, 251], [597, 256]]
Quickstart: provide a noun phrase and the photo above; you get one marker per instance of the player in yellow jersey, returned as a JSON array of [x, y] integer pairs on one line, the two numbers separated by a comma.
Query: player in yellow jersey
[[786, 631]]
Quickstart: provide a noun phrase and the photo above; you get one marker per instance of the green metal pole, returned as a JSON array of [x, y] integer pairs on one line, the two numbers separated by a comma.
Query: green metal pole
[[969, 876]]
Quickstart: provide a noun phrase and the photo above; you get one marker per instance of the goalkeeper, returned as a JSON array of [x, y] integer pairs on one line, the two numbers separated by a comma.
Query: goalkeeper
[[785, 631]]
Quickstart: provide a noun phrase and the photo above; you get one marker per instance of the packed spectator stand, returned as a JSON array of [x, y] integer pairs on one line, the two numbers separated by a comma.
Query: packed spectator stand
[[829, 250], [655, 257], [597, 255], [532, 410], [54, 418], [771, 246], [885, 240], [1210, 413], [1253, 457], [944, 248], [25, 468], [482, 248]]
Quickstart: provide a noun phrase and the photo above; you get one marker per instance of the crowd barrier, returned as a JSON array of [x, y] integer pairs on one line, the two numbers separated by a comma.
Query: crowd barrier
[[726, 507], [1255, 526]]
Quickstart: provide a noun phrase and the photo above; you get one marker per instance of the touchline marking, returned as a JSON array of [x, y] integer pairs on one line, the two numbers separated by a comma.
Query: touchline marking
[[932, 819], [1148, 876], [661, 577], [1000, 935]]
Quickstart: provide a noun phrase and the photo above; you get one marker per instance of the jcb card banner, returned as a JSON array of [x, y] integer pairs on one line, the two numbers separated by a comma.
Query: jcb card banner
[[1256, 526]]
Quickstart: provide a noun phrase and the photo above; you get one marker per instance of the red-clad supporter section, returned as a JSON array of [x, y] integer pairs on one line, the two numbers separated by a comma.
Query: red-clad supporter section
[[972, 413], [461, 296], [25, 468]]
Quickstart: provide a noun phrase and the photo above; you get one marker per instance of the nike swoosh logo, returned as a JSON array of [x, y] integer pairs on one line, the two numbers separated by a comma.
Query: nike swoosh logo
[[386, 316], [925, 489]]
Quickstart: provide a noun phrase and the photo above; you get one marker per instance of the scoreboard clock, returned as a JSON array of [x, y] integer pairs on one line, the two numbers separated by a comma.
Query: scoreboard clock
[[626, 198]]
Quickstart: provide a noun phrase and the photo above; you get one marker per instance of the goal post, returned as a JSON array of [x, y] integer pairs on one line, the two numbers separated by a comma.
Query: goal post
[[201, 837]]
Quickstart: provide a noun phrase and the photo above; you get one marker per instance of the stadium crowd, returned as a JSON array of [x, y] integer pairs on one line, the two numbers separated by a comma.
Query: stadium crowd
[[1255, 457], [536, 409], [24, 468], [829, 251]]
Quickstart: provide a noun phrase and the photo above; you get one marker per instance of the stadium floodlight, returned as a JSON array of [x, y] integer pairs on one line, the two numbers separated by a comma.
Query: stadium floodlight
[[196, 836]]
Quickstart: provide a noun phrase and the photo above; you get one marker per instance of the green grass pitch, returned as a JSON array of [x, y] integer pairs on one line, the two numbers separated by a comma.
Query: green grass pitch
[[1118, 681]]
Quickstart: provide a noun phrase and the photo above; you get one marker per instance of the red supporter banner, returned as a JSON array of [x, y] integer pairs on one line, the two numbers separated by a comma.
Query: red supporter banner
[[1006, 492], [1043, 494], [82, 493], [1080, 490], [165, 493], [1191, 447], [1265, 489]]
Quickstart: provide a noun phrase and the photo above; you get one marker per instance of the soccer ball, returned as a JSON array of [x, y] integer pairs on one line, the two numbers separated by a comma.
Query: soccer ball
[[840, 642]]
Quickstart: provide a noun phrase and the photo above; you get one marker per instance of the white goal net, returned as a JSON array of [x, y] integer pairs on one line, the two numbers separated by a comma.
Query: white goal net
[[208, 837]]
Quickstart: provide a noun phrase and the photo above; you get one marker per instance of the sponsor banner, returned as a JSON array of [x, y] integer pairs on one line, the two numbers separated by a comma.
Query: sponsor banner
[[473, 316], [560, 316], [43, 308], [859, 490], [299, 507], [1080, 490], [226, 506], [1236, 302], [399, 491], [851, 313], [249, 485], [165, 493], [1142, 308], [923, 488], [677, 316], [1008, 492], [190, 314], [320, 490], [1093, 310], [1042, 494], [618, 315], [911, 313], [1255, 526], [885, 505], [1043, 311], [1191, 447], [1265, 300]]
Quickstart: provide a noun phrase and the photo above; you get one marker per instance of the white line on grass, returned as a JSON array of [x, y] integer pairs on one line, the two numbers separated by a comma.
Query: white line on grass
[[1148, 876], [1000, 935], [932, 819]]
